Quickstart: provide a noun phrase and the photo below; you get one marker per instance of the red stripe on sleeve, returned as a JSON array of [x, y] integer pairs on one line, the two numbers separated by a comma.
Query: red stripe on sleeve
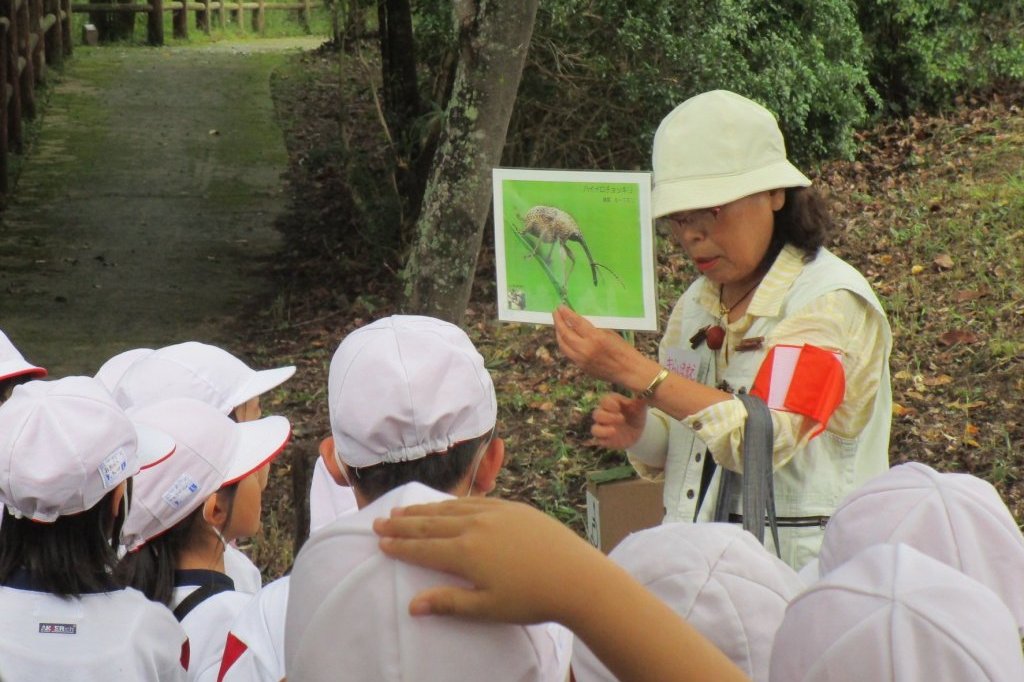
[[185, 653], [233, 650]]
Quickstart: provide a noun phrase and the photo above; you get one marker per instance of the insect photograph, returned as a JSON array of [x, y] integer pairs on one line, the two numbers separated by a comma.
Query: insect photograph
[[576, 238]]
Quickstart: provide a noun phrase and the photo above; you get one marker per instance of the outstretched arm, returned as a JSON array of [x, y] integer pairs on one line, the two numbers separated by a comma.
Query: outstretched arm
[[528, 568]]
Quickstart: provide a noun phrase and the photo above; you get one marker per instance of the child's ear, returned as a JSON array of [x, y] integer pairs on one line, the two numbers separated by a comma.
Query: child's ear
[[214, 512], [490, 464], [331, 462], [778, 198]]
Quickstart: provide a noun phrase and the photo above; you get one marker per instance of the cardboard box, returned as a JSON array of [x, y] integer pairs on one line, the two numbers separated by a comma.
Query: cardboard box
[[619, 503]]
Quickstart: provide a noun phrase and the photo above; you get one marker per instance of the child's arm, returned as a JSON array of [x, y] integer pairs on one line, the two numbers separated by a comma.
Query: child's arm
[[528, 568]]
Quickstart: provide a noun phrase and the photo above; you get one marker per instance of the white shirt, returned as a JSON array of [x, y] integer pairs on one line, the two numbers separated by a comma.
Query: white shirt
[[327, 499], [242, 570], [117, 635], [255, 645], [207, 624]]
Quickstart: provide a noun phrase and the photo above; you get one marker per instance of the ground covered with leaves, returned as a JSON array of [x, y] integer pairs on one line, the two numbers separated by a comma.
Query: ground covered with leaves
[[931, 210]]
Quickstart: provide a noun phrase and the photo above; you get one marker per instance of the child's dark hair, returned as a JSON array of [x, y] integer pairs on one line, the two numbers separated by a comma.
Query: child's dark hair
[[804, 221], [441, 471], [150, 568], [72, 556]]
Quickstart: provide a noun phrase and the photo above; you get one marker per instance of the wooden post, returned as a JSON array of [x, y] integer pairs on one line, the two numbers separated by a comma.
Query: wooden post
[[4, 24], [27, 75], [155, 23], [55, 41], [38, 39], [259, 19], [240, 15], [222, 13], [180, 21], [65, 8], [305, 14], [11, 85]]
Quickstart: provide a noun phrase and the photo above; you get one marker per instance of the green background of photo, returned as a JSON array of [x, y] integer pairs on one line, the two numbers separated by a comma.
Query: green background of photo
[[611, 229]]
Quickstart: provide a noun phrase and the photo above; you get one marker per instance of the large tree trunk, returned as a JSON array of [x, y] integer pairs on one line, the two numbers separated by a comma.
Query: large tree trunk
[[494, 38]]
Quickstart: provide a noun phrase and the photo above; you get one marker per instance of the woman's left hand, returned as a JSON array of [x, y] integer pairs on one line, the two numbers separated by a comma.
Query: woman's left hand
[[600, 353]]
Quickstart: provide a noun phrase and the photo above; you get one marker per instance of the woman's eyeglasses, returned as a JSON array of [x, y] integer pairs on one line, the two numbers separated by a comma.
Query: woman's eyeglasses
[[701, 219]]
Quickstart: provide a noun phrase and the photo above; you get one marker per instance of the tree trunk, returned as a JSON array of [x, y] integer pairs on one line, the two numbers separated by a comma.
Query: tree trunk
[[494, 37], [402, 104]]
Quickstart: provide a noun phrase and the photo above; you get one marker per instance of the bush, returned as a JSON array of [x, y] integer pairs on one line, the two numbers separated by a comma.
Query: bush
[[602, 73], [923, 53]]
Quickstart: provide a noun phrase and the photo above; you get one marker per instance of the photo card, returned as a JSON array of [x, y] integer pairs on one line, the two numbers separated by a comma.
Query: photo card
[[580, 238]]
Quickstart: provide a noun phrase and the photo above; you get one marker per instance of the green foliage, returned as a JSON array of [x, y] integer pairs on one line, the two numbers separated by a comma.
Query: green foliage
[[926, 52], [602, 73]]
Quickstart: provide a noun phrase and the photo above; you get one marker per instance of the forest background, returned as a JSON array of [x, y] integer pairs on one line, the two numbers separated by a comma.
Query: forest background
[[907, 113]]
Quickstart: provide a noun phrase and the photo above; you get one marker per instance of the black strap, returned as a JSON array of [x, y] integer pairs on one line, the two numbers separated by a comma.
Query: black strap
[[198, 596], [756, 485]]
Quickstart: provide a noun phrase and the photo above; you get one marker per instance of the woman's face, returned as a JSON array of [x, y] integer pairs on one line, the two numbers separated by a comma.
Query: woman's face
[[246, 514], [729, 243]]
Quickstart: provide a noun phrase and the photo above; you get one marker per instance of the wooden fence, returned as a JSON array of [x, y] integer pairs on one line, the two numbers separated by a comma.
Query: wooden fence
[[34, 34], [206, 11]]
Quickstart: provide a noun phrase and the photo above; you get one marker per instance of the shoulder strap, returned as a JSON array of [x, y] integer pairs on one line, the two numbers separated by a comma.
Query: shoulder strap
[[197, 597], [757, 484]]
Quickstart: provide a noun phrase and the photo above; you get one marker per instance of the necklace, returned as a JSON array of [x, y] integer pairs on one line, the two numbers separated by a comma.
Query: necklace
[[723, 309], [714, 335]]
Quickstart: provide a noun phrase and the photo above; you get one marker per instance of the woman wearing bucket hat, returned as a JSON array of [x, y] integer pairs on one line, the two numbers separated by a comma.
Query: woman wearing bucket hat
[[773, 313]]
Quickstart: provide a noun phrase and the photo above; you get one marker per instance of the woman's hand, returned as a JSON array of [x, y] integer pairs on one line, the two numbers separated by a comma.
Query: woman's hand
[[618, 421], [522, 563], [601, 353]]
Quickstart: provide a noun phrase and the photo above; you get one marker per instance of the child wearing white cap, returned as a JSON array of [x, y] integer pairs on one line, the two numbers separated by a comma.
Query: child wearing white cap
[[67, 452], [411, 403], [773, 314], [958, 519], [141, 377], [188, 508], [719, 579], [892, 614], [14, 369]]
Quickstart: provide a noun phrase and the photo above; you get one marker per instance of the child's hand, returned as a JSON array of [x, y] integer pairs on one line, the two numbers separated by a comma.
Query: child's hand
[[523, 564], [618, 421]]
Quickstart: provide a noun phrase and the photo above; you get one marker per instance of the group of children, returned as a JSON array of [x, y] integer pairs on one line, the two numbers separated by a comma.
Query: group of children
[[125, 493]]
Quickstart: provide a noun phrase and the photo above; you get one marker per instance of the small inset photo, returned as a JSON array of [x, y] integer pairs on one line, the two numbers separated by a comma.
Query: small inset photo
[[584, 239]]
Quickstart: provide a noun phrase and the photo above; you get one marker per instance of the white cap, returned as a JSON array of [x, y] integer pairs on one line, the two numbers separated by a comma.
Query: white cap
[[404, 387], [195, 370], [717, 147], [213, 451], [892, 614], [348, 610], [65, 444], [958, 519], [718, 578], [113, 369], [13, 364]]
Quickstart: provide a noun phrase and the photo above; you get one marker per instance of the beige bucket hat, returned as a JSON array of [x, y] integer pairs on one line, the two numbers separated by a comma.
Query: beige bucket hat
[[715, 148]]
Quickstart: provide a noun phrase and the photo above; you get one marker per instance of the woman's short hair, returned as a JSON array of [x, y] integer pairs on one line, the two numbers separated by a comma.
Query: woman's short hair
[[804, 221]]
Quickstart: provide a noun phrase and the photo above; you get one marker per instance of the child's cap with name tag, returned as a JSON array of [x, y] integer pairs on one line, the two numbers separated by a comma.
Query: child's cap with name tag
[[213, 451], [65, 444]]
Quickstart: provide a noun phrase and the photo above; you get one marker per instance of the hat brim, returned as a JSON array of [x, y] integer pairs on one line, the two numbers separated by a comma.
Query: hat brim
[[154, 446], [259, 442], [261, 382], [686, 194], [11, 370]]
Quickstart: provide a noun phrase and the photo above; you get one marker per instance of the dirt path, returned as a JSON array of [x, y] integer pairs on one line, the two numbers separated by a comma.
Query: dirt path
[[144, 214]]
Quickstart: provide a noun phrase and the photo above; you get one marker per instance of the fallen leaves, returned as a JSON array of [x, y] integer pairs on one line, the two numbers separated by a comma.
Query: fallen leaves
[[958, 336], [943, 261]]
